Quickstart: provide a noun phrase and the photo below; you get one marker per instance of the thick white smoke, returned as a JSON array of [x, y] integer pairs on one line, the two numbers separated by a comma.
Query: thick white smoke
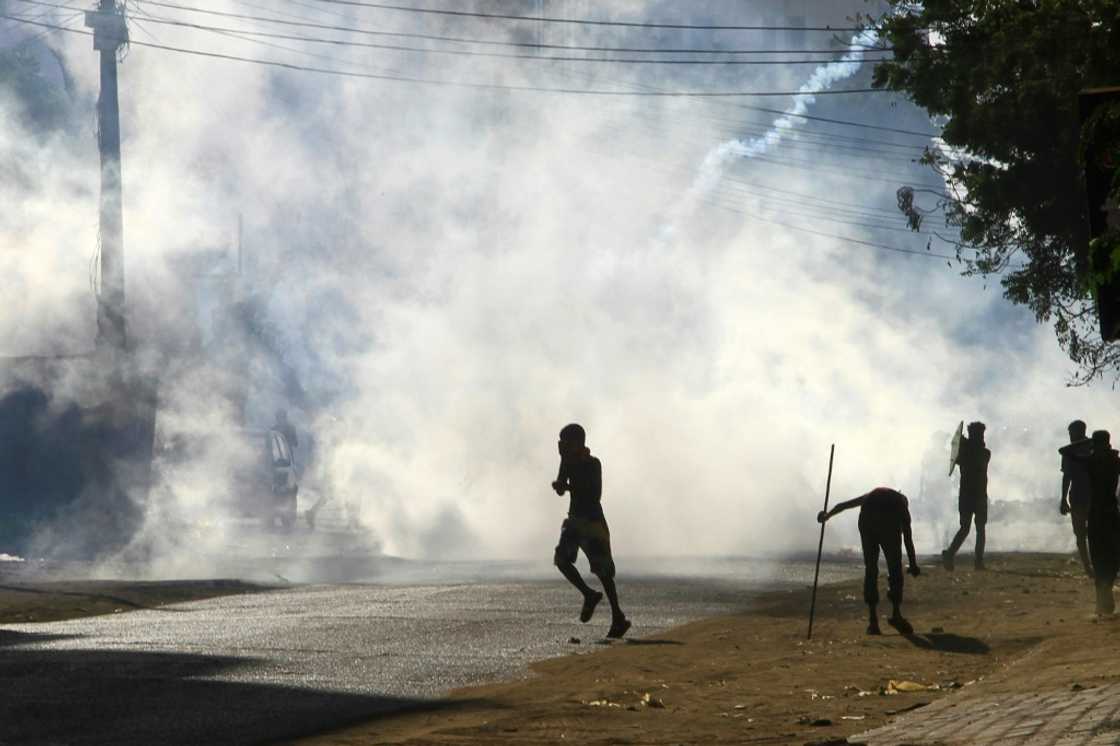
[[446, 277]]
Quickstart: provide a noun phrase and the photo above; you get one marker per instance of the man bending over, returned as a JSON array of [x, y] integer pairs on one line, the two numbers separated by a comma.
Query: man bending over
[[884, 523]]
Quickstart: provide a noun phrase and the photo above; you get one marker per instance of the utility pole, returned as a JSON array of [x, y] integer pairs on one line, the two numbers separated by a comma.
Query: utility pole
[[110, 33]]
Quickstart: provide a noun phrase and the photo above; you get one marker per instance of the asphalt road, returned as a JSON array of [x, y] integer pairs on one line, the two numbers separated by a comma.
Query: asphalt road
[[276, 665]]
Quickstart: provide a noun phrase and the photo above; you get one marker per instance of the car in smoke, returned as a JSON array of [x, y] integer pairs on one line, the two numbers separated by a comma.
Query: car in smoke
[[237, 473]]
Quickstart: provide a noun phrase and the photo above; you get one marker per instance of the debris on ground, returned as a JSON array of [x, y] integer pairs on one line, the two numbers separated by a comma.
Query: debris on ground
[[898, 687]]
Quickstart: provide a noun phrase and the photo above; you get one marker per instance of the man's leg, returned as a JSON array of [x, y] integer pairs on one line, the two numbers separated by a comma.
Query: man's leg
[[962, 534], [619, 623], [597, 547], [1102, 552], [1111, 561], [568, 569], [870, 544], [1079, 518], [892, 551], [565, 560], [981, 517], [612, 596]]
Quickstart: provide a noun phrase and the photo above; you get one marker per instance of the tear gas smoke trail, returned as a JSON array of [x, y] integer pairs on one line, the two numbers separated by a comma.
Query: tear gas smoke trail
[[712, 167]]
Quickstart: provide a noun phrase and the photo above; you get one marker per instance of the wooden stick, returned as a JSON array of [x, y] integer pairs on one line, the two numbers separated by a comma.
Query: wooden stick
[[820, 546]]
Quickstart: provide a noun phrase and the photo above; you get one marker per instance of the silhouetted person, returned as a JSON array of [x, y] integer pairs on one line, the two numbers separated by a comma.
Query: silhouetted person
[[972, 500], [585, 528], [1103, 528], [1076, 488], [884, 523], [285, 428]]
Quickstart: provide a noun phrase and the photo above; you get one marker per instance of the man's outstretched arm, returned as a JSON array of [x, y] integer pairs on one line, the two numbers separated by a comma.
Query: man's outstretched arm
[[855, 502], [908, 540]]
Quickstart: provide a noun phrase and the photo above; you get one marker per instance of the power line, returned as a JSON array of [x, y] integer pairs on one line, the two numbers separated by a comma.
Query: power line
[[846, 239], [348, 29], [842, 122], [501, 55], [802, 196], [457, 83], [307, 23], [294, 50], [65, 19], [798, 140], [813, 209], [815, 167], [736, 129], [581, 21]]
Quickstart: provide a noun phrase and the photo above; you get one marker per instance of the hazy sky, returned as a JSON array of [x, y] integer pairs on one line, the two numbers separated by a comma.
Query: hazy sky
[[455, 274]]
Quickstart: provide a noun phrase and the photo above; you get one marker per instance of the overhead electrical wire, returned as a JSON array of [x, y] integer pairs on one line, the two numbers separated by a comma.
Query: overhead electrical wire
[[764, 200], [350, 29], [827, 120], [884, 247], [307, 23], [65, 19], [800, 134], [499, 55], [580, 21], [459, 83], [525, 44], [724, 194], [260, 42], [794, 139]]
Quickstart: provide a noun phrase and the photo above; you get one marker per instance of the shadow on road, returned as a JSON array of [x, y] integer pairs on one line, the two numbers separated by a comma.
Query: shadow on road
[[75, 594], [120, 697], [947, 642], [11, 637]]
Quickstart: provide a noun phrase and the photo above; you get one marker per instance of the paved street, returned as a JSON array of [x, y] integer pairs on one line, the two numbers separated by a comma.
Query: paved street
[[246, 669], [1088, 717]]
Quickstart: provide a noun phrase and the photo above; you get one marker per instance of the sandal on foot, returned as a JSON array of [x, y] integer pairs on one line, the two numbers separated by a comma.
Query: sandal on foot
[[904, 627], [618, 628]]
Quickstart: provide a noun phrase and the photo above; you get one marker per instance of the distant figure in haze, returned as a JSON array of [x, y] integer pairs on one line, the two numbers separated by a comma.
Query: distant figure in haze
[[581, 475], [1103, 528], [285, 428], [972, 501], [884, 523], [1076, 488]]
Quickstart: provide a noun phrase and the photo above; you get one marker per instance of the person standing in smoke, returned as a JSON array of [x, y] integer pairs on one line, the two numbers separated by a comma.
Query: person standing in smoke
[[285, 428], [972, 500], [1076, 488], [1103, 529], [884, 524], [581, 475]]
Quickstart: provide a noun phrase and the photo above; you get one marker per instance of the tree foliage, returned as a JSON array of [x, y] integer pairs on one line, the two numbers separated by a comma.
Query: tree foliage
[[1001, 77]]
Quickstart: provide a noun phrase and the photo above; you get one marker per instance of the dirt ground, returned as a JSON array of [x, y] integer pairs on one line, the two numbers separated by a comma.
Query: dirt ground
[[1025, 624], [51, 601]]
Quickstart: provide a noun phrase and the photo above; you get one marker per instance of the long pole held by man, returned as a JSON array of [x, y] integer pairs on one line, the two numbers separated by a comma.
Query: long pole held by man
[[820, 545]]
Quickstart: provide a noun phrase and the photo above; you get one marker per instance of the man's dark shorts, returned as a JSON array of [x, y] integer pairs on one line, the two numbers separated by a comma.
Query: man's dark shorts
[[973, 507], [593, 537]]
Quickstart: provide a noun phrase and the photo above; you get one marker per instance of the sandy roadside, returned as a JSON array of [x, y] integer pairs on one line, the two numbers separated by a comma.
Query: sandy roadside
[[1024, 625], [24, 600]]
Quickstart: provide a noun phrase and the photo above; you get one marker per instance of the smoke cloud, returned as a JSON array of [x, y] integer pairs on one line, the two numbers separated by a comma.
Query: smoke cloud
[[440, 278]]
